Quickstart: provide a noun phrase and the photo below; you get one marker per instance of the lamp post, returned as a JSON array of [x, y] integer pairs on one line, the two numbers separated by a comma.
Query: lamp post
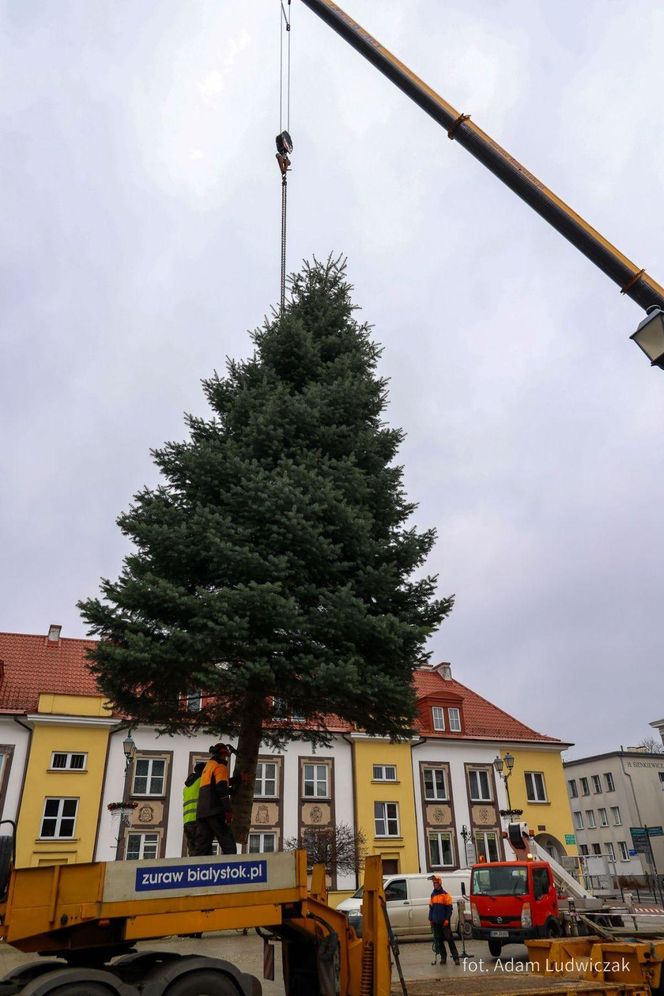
[[504, 766], [129, 748], [649, 336]]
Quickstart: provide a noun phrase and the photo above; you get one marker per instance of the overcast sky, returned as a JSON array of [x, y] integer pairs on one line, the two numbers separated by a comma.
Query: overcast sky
[[139, 221]]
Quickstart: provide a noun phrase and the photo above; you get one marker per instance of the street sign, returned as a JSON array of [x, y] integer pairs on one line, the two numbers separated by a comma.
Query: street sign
[[570, 838], [632, 853], [656, 831], [638, 833]]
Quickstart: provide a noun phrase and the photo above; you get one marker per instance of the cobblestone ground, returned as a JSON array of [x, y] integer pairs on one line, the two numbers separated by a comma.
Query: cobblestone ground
[[478, 974]]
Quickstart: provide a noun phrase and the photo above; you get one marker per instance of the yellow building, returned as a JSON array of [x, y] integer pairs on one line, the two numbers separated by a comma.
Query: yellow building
[[537, 785], [62, 789], [384, 810]]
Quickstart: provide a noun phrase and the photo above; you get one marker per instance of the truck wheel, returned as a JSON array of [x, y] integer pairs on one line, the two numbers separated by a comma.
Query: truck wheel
[[495, 947], [202, 983]]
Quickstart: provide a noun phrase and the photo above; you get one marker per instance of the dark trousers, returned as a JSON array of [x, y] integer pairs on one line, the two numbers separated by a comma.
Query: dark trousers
[[440, 935], [190, 837], [209, 828]]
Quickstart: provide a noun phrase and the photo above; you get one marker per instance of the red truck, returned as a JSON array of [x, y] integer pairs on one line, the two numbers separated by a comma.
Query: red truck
[[513, 901]]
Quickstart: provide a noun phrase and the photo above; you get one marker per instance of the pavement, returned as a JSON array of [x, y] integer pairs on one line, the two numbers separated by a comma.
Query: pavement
[[479, 972]]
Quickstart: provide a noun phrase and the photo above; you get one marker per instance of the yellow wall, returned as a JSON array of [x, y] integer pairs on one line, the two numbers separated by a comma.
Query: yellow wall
[[368, 791], [555, 814], [42, 782]]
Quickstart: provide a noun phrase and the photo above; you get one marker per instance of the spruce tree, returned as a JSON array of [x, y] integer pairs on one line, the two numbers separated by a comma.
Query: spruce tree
[[274, 568]]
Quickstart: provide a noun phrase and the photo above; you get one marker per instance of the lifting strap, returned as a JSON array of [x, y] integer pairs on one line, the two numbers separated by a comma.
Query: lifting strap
[[284, 141]]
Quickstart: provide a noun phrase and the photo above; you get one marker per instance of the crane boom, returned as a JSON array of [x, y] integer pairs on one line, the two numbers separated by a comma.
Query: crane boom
[[633, 281]]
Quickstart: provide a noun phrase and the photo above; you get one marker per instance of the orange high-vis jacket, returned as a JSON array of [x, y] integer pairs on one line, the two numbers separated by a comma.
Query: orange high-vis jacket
[[213, 798]]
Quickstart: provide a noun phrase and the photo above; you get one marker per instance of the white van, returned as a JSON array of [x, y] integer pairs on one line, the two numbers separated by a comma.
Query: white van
[[407, 899]]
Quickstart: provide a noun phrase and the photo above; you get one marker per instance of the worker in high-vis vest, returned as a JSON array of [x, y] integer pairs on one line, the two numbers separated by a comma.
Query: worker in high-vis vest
[[213, 812], [441, 905], [192, 787]]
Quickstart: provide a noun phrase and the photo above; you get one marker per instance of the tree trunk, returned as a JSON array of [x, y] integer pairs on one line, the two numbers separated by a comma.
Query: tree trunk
[[248, 746]]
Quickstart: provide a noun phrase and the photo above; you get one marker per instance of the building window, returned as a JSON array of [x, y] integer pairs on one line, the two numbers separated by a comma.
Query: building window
[[149, 776], [597, 849], [572, 788], [59, 819], [609, 850], [441, 854], [435, 787], [661, 779], [535, 787], [590, 816], [585, 788], [622, 847], [438, 715], [455, 720], [578, 820], [583, 850], [316, 781], [142, 846], [608, 781], [603, 818], [265, 786], [68, 761], [384, 773], [386, 819], [615, 816], [597, 784], [193, 702], [262, 843], [480, 785], [486, 845]]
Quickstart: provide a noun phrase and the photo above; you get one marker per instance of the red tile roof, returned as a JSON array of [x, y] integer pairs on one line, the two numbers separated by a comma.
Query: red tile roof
[[34, 664], [481, 720]]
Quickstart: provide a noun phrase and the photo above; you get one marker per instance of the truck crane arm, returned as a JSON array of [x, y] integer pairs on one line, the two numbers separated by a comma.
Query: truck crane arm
[[633, 281]]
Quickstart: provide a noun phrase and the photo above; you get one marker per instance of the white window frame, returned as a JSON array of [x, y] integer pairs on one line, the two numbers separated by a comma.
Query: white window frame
[[386, 814], [148, 840], [263, 780], [479, 771], [59, 817], [259, 838], [436, 838], [597, 784], [624, 853], [616, 817], [316, 781], [68, 755], [436, 797], [603, 817], [454, 716], [610, 784], [578, 819], [438, 718], [590, 815], [610, 851], [151, 761], [381, 773], [573, 792], [535, 793], [483, 838]]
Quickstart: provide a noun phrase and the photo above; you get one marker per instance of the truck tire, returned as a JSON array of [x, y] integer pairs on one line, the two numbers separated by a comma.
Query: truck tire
[[495, 947], [204, 982]]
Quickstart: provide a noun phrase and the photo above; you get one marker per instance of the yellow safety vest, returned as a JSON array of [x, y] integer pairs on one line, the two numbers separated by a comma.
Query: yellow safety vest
[[190, 801]]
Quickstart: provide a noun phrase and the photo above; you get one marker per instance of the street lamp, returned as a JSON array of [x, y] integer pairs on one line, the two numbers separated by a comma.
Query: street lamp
[[499, 764], [649, 336], [129, 748]]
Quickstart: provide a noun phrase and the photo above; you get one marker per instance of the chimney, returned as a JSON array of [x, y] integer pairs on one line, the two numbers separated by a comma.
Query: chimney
[[54, 633], [444, 670]]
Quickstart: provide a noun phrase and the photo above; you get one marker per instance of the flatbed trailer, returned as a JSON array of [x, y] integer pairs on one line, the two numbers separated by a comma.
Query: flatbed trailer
[[91, 916]]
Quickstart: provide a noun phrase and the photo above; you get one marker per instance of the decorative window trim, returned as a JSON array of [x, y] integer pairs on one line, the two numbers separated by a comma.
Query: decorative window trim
[[477, 769], [314, 780], [434, 768], [151, 760]]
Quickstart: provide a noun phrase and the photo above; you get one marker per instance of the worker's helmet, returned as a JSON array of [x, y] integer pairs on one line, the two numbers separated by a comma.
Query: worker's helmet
[[219, 750], [436, 879]]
